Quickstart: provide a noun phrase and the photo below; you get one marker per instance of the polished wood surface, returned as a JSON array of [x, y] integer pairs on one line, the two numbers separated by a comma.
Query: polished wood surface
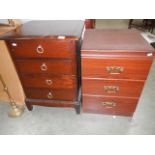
[[116, 40], [115, 65], [57, 94], [118, 54], [122, 106], [42, 48], [49, 81], [56, 103], [49, 103], [125, 88], [133, 68], [47, 66]]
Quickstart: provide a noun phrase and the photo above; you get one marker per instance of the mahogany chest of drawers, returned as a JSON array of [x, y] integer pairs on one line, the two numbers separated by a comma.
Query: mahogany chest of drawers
[[47, 58], [115, 65]]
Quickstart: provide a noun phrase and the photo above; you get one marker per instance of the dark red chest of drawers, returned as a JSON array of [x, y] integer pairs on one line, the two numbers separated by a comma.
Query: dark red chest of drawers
[[115, 65], [46, 55]]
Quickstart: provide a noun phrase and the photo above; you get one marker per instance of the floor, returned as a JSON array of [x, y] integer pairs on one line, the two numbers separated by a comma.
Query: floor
[[112, 23], [115, 23], [47, 121], [143, 121]]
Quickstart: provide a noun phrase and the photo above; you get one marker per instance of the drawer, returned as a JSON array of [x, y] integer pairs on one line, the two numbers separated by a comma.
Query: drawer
[[49, 94], [116, 68], [49, 81], [47, 66], [109, 105], [44, 48], [112, 87]]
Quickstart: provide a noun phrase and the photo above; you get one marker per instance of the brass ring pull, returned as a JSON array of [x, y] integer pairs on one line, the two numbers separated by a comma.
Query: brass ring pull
[[111, 89], [49, 95], [40, 49], [43, 67], [115, 69], [108, 104], [48, 82]]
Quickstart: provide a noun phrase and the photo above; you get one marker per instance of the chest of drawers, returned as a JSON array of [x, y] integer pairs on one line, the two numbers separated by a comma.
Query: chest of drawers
[[115, 65], [46, 55]]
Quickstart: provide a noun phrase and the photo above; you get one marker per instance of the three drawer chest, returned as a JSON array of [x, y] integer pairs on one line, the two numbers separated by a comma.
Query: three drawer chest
[[47, 58], [115, 65]]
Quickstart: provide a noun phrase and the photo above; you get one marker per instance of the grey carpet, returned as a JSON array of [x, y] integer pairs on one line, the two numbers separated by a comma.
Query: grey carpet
[[48, 121]]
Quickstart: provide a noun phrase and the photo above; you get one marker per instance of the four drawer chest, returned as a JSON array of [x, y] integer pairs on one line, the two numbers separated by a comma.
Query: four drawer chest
[[47, 58], [115, 65]]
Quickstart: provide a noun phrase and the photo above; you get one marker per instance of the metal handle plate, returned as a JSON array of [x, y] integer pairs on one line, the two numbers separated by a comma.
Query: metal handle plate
[[43, 67], [111, 89], [40, 49], [49, 95], [108, 104], [114, 69]]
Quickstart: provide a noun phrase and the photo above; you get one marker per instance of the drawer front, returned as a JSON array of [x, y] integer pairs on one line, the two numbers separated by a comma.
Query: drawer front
[[109, 105], [44, 48], [112, 87], [48, 81], [49, 94], [116, 68], [45, 66]]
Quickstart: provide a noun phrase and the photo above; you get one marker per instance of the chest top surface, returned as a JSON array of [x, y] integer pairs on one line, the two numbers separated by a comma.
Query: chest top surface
[[47, 28], [114, 40]]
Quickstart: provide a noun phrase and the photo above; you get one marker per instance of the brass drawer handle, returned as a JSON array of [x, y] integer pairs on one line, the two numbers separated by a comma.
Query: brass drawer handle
[[108, 104], [40, 49], [48, 82], [43, 67], [49, 95], [115, 69], [111, 89]]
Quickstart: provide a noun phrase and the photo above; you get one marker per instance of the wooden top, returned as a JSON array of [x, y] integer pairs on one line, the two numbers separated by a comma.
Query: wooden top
[[114, 40], [47, 28]]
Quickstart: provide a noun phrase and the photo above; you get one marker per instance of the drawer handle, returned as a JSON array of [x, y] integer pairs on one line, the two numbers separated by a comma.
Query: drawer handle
[[111, 89], [115, 69], [49, 95], [48, 82], [108, 104], [40, 49], [43, 67]]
